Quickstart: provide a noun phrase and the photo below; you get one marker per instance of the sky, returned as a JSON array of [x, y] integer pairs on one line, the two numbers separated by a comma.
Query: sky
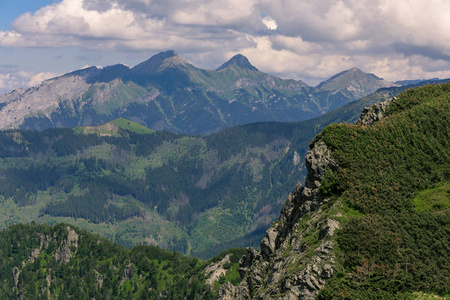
[[308, 40]]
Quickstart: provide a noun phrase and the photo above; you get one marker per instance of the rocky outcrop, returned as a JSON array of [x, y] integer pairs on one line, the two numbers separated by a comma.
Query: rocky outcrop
[[214, 271], [296, 256], [374, 113], [64, 252], [231, 292], [43, 99]]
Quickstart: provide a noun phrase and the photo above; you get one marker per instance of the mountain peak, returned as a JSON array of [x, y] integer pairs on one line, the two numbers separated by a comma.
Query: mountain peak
[[238, 60], [354, 81], [160, 62], [356, 71]]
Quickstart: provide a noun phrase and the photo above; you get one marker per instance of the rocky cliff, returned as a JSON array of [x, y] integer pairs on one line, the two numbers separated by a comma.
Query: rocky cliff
[[374, 113], [297, 253]]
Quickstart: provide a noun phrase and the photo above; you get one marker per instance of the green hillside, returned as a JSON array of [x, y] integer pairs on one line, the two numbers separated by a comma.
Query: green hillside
[[116, 127], [396, 172], [164, 189], [389, 195]]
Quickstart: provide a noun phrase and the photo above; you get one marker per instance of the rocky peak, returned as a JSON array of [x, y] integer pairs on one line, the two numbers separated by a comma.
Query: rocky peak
[[64, 253], [374, 113], [238, 60], [159, 62], [86, 72]]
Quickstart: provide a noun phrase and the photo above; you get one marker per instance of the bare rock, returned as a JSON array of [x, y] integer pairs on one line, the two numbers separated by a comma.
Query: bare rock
[[231, 292], [64, 253], [375, 112], [16, 274], [34, 254], [290, 266], [214, 271], [268, 242]]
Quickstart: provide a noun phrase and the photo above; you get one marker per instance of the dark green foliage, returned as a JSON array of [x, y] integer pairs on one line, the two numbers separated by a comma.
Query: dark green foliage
[[93, 206], [393, 249], [96, 267], [21, 184], [394, 158], [244, 166], [236, 254], [329, 183]]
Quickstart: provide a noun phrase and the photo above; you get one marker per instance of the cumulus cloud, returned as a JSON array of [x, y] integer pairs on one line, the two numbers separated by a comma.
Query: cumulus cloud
[[305, 39], [11, 77], [71, 18], [270, 23]]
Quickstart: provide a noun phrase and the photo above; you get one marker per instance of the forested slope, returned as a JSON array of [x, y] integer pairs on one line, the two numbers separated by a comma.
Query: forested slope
[[188, 194], [371, 222], [196, 195], [62, 262]]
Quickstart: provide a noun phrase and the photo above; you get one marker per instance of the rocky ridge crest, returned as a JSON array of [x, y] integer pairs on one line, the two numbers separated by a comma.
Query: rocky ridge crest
[[296, 254], [375, 112]]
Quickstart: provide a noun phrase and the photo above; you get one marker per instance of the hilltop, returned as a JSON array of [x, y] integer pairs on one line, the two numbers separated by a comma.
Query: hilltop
[[115, 128]]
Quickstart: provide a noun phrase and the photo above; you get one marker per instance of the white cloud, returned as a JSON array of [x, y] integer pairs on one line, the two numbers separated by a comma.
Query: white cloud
[[71, 18], [306, 39], [212, 13], [270, 23], [39, 78], [11, 78]]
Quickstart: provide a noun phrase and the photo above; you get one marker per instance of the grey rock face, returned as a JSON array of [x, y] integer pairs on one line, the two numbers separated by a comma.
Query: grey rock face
[[94, 96], [231, 292], [375, 112], [43, 99], [64, 253], [297, 253], [216, 270]]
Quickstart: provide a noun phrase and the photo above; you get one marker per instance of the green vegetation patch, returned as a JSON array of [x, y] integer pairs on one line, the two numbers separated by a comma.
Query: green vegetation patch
[[115, 128], [437, 199], [132, 126]]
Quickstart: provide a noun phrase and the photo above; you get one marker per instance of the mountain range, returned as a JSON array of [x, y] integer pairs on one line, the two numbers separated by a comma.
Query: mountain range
[[168, 93]]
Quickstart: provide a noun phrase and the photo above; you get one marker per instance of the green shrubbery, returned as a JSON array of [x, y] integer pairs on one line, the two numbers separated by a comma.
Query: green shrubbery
[[394, 249]]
